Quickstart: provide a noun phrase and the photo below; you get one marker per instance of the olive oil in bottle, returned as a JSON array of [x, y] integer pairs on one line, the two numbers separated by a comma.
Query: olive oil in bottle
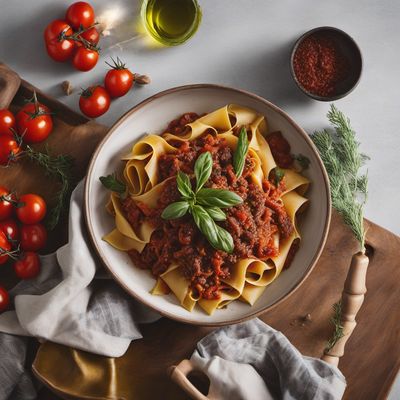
[[171, 22]]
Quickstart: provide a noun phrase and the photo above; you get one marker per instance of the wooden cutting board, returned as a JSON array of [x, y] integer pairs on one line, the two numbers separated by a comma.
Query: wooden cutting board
[[372, 357]]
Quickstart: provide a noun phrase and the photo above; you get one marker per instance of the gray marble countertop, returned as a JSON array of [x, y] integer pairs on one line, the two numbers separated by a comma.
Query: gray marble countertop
[[244, 44]]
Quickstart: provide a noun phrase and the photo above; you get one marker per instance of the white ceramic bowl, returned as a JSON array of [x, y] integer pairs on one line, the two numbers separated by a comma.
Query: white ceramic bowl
[[151, 116]]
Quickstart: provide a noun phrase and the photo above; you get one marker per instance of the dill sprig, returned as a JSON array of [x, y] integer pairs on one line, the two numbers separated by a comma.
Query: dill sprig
[[60, 168], [343, 160], [338, 327]]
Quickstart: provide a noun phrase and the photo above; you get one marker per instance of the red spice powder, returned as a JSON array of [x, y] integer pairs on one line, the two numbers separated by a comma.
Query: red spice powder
[[319, 65]]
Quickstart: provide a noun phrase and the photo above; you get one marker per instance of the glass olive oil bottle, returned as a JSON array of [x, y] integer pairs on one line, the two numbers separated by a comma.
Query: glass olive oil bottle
[[171, 22]]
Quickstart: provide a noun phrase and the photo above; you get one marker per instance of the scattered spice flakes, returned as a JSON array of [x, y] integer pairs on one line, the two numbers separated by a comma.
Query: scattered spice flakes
[[302, 321]]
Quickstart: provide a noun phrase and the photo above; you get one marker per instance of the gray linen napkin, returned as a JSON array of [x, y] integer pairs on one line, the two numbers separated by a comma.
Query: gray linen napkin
[[251, 361]]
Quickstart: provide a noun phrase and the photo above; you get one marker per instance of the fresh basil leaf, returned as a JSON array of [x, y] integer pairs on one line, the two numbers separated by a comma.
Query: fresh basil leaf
[[113, 184], [216, 213], [279, 174], [218, 237], [239, 156], [225, 240], [202, 169], [218, 198], [184, 185], [175, 210]]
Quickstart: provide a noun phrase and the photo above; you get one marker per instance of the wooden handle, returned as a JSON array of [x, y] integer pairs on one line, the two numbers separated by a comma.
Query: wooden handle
[[9, 85], [179, 375], [352, 299]]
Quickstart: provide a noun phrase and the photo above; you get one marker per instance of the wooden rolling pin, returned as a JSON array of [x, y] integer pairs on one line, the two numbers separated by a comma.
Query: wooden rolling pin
[[352, 299]]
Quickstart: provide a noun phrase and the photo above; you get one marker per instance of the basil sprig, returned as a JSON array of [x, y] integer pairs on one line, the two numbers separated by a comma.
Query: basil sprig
[[239, 156], [204, 204], [112, 183]]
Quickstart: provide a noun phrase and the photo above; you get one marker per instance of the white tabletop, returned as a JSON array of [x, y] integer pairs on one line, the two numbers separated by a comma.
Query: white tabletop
[[244, 44]]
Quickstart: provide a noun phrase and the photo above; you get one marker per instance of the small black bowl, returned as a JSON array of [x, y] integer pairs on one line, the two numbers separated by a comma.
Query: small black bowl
[[350, 51]]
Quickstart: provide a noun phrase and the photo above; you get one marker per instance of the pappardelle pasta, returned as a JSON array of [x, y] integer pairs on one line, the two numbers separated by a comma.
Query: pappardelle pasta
[[209, 207]]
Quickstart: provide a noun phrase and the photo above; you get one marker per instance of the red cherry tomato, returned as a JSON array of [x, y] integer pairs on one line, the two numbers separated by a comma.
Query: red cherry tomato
[[4, 299], [33, 237], [28, 266], [32, 209], [10, 228], [94, 101], [119, 79], [5, 246], [59, 49], [80, 14], [9, 148], [91, 35], [7, 122], [6, 207], [85, 59], [34, 125]]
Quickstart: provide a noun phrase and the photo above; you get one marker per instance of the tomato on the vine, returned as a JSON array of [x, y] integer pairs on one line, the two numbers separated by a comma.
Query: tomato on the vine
[[80, 14], [27, 266], [4, 299], [92, 35], [94, 101], [5, 247], [59, 48], [34, 122], [6, 206], [31, 208], [9, 148], [10, 228], [33, 237], [85, 58], [7, 122], [119, 79]]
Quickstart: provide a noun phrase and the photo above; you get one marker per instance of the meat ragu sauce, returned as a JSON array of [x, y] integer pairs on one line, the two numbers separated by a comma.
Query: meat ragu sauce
[[251, 224]]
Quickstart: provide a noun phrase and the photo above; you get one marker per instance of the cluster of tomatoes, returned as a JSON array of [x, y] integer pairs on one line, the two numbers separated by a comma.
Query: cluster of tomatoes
[[21, 235], [95, 100], [74, 38], [32, 124]]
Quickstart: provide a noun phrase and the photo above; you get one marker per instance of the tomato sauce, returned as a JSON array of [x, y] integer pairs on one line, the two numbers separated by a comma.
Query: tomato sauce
[[252, 224]]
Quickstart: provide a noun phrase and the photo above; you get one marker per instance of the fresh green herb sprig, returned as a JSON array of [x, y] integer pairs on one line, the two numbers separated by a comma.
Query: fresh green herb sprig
[[204, 204], [343, 161], [60, 168], [338, 327], [115, 185]]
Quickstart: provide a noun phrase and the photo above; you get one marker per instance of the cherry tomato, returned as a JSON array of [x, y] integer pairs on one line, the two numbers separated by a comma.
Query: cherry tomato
[[94, 101], [7, 122], [33, 237], [4, 299], [91, 35], [119, 79], [85, 59], [10, 228], [5, 246], [80, 14], [28, 266], [8, 149], [32, 209], [34, 125], [59, 49], [6, 207]]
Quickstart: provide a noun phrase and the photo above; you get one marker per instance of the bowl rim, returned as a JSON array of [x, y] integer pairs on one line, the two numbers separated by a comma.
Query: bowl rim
[[296, 45], [132, 111]]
